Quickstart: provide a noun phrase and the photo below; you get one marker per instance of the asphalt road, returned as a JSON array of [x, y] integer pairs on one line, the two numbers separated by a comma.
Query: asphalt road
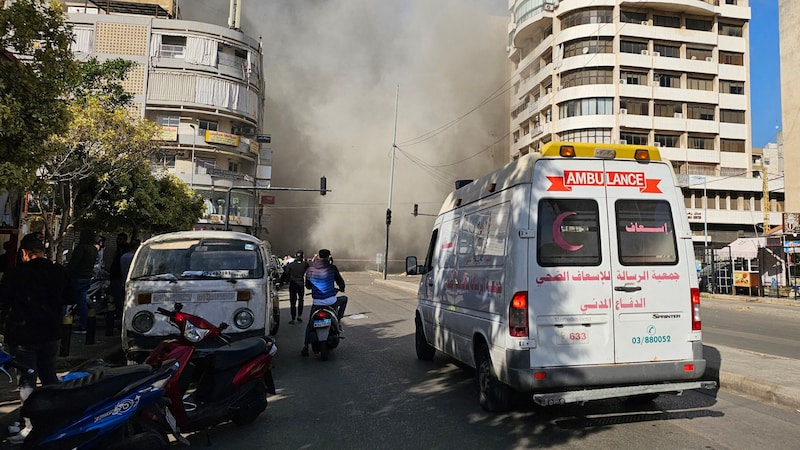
[[763, 328], [374, 393]]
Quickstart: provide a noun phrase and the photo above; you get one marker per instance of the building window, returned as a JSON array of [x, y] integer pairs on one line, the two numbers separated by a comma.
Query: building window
[[587, 16], [207, 163], [233, 166], [634, 106], [669, 51], [703, 54], [668, 140], [699, 24], [667, 80], [168, 121], [602, 135], [701, 169], [207, 125], [667, 21], [701, 112], [700, 84], [734, 59], [632, 17], [731, 116], [731, 87], [584, 77], [630, 77], [632, 47], [173, 46], [731, 29], [632, 138], [586, 107], [666, 109], [592, 45], [701, 143], [731, 145]]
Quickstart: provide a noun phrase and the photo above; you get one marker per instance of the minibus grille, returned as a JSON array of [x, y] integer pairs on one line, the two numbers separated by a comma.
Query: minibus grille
[[193, 297]]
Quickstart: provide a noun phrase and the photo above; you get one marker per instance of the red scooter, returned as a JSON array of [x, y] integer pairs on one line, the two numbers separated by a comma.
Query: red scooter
[[215, 385]]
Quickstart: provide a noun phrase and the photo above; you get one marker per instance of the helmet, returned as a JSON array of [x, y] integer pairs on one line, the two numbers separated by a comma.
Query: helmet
[[299, 254]]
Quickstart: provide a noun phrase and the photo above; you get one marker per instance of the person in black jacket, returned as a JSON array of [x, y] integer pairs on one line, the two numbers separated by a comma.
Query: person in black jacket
[[81, 267], [32, 298], [295, 274]]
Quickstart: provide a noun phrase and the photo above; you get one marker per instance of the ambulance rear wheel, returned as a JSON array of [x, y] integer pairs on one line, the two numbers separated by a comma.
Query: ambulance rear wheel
[[494, 395], [425, 351]]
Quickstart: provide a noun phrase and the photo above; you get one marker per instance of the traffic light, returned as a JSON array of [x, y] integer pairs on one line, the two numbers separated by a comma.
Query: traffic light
[[323, 184], [388, 216], [416, 209]]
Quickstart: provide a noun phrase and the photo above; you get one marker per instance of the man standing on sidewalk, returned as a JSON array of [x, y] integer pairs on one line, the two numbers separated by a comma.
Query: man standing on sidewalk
[[32, 298]]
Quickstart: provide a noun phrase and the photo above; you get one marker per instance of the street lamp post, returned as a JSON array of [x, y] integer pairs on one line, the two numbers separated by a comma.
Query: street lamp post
[[194, 142], [391, 185]]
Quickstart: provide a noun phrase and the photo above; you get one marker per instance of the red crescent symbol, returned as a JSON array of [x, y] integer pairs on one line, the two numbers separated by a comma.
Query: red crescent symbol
[[557, 233]]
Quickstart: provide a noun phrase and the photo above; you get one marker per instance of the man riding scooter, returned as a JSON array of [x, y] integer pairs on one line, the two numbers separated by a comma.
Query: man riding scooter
[[320, 278]]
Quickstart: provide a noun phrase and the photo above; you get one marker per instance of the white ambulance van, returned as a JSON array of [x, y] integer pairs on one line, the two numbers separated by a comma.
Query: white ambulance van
[[568, 275]]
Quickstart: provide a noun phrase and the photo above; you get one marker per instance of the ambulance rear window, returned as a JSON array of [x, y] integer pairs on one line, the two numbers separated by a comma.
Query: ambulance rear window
[[568, 233], [645, 233]]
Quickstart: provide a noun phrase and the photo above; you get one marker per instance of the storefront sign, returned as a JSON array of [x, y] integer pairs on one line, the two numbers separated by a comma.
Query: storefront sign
[[218, 137]]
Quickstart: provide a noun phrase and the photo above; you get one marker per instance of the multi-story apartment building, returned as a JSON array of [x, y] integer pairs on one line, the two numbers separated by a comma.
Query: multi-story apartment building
[[788, 15], [669, 73], [203, 84]]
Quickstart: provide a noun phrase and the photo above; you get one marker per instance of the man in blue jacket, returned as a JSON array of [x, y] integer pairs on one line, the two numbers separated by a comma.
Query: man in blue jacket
[[320, 278]]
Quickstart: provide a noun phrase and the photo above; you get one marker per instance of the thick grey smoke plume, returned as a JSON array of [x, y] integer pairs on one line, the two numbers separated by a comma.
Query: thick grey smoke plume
[[333, 68]]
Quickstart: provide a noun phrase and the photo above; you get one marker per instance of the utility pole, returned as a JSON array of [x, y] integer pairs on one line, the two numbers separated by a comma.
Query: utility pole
[[391, 185]]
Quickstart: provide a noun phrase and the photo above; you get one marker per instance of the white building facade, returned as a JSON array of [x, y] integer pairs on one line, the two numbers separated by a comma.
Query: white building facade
[[669, 73], [203, 84]]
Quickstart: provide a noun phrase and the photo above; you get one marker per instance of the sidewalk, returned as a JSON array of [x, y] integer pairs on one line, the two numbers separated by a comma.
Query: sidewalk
[[768, 378]]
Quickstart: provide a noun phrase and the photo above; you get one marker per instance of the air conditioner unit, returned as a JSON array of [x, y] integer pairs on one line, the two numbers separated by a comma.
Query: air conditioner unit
[[645, 52], [694, 57], [709, 59], [623, 141], [548, 90], [657, 144], [678, 115], [548, 7], [623, 81], [656, 53], [644, 22], [623, 111]]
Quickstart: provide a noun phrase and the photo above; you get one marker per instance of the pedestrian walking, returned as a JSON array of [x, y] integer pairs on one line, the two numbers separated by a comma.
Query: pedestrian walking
[[295, 275], [32, 298]]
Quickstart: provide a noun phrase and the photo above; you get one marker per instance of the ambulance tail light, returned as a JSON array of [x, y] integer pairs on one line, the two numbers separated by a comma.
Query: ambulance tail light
[[696, 309], [518, 315]]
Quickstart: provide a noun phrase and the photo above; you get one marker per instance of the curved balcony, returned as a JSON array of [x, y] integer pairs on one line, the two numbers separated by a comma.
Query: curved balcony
[[707, 8], [531, 28]]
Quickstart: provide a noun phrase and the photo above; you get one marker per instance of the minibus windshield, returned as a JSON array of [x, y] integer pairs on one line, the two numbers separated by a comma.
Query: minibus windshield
[[198, 259]]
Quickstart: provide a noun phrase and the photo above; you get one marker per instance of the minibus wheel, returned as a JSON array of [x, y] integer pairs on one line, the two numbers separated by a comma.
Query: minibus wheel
[[494, 395]]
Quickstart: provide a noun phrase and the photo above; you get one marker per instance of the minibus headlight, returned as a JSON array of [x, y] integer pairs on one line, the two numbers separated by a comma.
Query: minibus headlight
[[143, 321], [243, 318]]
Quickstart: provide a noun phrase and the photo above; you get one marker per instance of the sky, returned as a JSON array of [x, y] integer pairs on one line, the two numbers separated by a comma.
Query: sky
[[765, 86]]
